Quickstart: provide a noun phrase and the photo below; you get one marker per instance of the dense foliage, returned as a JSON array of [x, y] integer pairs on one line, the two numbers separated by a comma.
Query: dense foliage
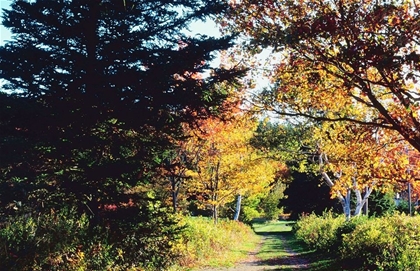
[[332, 54], [96, 91], [386, 243], [349, 67], [110, 114]]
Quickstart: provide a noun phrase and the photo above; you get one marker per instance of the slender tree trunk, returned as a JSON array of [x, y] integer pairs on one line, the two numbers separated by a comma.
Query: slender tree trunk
[[409, 198], [215, 213], [367, 203], [359, 201], [174, 193], [344, 200], [238, 207], [362, 201], [347, 210], [215, 191]]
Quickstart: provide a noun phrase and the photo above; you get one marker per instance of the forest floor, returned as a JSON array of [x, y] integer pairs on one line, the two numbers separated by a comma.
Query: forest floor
[[278, 250]]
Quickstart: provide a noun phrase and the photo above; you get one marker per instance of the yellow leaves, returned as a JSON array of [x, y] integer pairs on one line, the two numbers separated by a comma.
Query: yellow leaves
[[360, 156], [191, 174], [227, 165], [373, 74], [305, 86]]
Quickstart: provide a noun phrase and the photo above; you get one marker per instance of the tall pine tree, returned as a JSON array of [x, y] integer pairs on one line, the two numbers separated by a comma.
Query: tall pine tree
[[96, 90]]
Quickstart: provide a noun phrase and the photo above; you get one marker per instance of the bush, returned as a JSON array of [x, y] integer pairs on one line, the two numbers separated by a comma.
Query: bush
[[66, 240], [388, 243], [319, 232], [248, 214], [381, 204], [203, 241], [348, 227], [46, 242]]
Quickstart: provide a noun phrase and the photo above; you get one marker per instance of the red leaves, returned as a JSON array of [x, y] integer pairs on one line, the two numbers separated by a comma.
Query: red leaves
[[326, 23]]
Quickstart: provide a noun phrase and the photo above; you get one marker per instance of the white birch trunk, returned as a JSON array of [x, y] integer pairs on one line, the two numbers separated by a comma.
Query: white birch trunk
[[346, 200], [361, 201], [238, 207]]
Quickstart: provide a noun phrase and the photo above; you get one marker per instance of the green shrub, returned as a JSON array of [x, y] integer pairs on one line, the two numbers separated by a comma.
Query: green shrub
[[319, 232], [381, 204], [270, 203], [388, 243], [348, 227], [46, 242], [248, 214], [66, 240]]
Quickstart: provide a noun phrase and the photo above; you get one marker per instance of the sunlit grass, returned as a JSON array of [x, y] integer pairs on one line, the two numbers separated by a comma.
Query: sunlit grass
[[273, 232], [262, 226], [205, 244], [280, 240]]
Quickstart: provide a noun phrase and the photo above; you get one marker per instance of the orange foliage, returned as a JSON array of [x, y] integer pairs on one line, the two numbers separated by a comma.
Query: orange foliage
[[226, 164], [339, 53]]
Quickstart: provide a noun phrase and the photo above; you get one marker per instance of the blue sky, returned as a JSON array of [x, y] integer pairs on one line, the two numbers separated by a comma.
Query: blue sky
[[4, 33]]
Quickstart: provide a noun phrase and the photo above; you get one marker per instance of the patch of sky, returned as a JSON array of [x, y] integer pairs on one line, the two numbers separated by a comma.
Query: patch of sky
[[5, 34], [205, 28]]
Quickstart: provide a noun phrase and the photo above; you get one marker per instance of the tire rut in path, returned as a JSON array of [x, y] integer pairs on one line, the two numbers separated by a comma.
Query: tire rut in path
[[292, 261]]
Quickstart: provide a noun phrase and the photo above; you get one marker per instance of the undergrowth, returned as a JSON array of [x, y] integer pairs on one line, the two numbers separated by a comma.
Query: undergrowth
[[389, 243], [204, 243]]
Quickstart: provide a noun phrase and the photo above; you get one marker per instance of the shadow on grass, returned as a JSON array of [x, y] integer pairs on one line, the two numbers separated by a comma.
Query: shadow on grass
[[282, 251]]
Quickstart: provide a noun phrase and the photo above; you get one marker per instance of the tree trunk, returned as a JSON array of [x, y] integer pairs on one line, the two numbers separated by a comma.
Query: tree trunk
[[344, 200], [347, 210], [238, 208], [174, 193], [409, 198], [215, 193], [360, 202], [215, 213], [367, 203]]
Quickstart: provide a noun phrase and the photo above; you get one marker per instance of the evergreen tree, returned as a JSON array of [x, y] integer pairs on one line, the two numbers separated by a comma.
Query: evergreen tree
[[96, 92]]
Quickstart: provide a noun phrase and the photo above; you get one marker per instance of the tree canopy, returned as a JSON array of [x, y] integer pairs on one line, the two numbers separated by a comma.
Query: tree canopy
[[335, 53], [226, 164]]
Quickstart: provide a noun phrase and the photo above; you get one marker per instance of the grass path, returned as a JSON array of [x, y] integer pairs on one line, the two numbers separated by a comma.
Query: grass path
[[278, 250]]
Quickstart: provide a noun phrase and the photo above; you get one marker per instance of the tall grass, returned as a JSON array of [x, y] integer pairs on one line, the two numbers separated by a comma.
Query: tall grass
[[204, 243]]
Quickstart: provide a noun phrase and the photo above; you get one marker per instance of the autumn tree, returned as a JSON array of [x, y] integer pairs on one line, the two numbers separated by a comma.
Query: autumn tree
[[351, 159], [228, 167], [356, 158], [96, 92], [293, 144], [331, 53]]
